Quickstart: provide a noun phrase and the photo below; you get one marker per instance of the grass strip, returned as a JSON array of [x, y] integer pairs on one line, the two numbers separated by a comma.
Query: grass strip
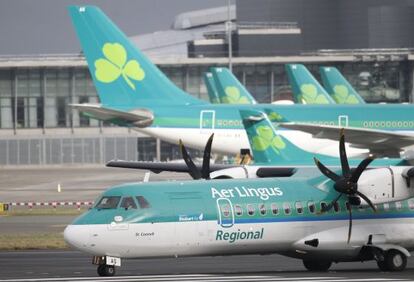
[[32, 241], [44, 211]]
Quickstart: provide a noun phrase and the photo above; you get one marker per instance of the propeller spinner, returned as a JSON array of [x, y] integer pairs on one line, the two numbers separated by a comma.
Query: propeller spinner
[[347, 183], [195, 173]]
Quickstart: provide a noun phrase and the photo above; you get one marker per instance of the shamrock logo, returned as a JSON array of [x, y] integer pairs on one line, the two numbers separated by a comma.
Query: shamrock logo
[[233, 96], [274, 117], [342, 95], [266, 138], [310, 95], [115, 64]]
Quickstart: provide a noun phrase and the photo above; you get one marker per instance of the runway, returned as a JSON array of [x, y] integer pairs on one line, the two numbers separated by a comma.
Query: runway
[[74, 266]]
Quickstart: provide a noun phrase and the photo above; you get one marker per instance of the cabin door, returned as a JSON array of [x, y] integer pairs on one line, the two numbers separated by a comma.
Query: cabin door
[[207, 121], [225, 212]]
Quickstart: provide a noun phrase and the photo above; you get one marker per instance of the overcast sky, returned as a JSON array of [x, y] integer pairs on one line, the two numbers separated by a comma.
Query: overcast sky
[[44, 27]]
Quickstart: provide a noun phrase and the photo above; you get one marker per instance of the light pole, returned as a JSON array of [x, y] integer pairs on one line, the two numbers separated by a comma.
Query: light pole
[[229, 36]]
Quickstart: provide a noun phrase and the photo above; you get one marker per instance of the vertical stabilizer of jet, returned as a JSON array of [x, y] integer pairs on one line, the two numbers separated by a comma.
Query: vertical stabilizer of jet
[[338, 87], [306, 89], [124, 77], [211, 88], [229, 88]]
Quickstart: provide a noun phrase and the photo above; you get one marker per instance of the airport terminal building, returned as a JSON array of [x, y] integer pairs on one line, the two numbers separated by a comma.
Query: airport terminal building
[[369, 41]]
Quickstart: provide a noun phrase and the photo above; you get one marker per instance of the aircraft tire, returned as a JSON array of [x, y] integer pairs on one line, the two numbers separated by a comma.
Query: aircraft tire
[[321, 266], [106, 270], [395, 260], [382, 265]]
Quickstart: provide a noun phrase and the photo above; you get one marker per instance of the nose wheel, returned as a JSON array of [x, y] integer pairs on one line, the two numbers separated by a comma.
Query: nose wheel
[[106, 270]]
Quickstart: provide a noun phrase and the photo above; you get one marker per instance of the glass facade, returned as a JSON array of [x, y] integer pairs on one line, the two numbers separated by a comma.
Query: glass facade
[[33, 98]]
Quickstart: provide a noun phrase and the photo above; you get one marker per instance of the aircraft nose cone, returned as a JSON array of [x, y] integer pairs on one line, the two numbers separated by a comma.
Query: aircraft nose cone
[[77, 236]]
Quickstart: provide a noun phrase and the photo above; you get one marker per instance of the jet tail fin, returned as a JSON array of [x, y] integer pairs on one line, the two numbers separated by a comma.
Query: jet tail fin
[[211, 88], [124, 77], [306, 89], [268, 147], [338, 87], [229, 88]]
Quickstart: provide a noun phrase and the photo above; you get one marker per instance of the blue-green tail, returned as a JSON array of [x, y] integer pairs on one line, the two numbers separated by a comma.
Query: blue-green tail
[[229, 88], [268, 147], [123, 76], [211, 88], [338, 87], [306, 89]]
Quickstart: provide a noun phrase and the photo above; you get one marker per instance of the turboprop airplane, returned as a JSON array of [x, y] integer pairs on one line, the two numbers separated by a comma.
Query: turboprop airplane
[[338, 87], [318, 216], [133, 92]]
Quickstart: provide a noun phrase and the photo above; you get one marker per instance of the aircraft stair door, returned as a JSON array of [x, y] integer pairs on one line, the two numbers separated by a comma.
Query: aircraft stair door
[[207, 121], [225, 212]]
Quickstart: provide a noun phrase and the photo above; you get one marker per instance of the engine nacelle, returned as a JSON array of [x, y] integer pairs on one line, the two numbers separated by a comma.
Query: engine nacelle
[[388, 184]]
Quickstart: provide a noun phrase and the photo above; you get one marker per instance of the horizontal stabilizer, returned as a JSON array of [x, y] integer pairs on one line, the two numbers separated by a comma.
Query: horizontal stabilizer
[[158, 167], [379, 142], [138, 117]]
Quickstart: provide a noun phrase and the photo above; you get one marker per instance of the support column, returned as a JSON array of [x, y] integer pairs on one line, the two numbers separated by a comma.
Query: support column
[[158, 149]]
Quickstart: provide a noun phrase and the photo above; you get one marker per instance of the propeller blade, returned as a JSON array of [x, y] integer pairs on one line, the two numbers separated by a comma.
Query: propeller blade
[[326, 171], [361, 167], [350, 223], [366, 200], [344, 159], [192, 169], [205, 169], [331, 204]]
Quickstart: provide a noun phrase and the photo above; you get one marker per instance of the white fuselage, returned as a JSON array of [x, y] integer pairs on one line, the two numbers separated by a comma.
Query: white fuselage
[[230, 141], [207, 238]]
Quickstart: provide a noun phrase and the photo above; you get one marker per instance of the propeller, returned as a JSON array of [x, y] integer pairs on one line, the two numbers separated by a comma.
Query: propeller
[[346, 184], [193, 170]]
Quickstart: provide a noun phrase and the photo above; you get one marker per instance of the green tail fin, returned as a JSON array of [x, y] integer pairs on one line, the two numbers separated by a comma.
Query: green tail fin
[[268, 147], [229, 88], [123, 76], [211, 88], [338, 87], [306, 89]]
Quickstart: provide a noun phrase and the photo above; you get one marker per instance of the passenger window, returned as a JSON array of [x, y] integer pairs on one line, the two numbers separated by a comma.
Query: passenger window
[[311, 207], [286, 208], [323, 206], [398, 205], [411, 204], [336, 207], [128, 203], [250, 209], [262, 209], [299, 207], [238, 209], [142, 202], [275, 209], [225, 209], [110, 202]]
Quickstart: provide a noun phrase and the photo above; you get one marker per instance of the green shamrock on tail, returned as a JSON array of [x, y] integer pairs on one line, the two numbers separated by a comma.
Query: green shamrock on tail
[[310, 95], [266, 138], [342, 96], [233, 96], [115, 64]]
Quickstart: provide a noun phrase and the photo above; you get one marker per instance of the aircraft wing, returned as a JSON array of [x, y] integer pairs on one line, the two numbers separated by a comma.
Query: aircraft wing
[[158, 167], [138, 117], [379, 142]]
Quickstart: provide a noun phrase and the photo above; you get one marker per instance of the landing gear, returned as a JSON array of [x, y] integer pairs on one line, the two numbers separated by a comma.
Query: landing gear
[[106, 265], [106, 270], [313, 265], [393, 261]]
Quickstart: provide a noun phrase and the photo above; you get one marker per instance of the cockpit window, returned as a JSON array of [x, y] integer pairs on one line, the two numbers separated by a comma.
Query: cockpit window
[[109, 202], [128, 203], [142, 202]]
